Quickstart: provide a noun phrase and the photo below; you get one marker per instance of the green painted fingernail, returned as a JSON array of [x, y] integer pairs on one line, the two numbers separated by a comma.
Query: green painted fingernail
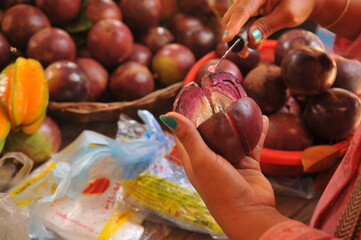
[[225, 33], [171, 122], [257, 34]]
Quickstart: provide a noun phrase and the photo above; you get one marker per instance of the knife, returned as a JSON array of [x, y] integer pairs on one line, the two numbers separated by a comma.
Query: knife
[[238, 42]]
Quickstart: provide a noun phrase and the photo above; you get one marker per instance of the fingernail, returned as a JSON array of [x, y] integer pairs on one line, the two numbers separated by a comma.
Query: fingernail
[[257, 34], [241, 54], [171, 122], [225, 34]]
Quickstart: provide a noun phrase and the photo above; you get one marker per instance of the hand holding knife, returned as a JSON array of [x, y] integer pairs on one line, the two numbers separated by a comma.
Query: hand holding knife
[[238, 42]]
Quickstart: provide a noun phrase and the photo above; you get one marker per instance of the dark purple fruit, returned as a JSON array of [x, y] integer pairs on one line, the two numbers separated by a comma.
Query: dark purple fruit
[[51, 44], [141, 15], [20, 22], [169, 9], [225, 66], [291, 106], [265, 85], [9, 3], [235, 132], [201, 41], [333, 114], [295, 38], [67, 82], [60, 12], [5, 54], [110, 41], [131, 81], [229, 122], [181, 24], [141, 54], [98, 10], [348, 74], [97, 76], [156, 37], [287, 132], [308, 70]]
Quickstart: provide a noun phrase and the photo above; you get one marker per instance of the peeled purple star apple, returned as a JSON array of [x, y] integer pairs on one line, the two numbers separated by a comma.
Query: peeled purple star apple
[[229, 122]]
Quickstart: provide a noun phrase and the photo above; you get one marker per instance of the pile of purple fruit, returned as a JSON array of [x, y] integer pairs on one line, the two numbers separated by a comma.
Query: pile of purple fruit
[[309, 95], [107, 50]]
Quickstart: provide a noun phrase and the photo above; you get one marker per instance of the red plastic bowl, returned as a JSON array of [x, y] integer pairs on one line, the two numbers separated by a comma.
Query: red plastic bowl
[[273, 162]]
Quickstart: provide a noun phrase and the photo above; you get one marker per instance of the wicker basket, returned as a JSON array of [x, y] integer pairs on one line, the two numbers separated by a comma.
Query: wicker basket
[[157, 102]]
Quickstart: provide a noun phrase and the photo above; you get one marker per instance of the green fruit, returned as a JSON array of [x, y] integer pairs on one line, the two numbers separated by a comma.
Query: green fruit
[[171, 63], [38, 146]]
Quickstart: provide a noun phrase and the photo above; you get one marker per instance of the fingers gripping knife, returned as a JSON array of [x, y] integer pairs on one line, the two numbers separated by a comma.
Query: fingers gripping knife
[[238, 42]]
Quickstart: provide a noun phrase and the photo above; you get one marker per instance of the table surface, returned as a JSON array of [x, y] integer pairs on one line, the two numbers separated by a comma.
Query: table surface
[[297, 208]]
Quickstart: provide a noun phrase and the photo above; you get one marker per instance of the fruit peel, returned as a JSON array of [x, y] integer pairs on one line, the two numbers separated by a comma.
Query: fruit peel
[[222, 138], [192, 103], [233, 123], [243, 111], [221, 89]]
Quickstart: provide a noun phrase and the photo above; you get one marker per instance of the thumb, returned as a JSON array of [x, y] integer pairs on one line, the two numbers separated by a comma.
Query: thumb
[[193, 151], [187, 134]]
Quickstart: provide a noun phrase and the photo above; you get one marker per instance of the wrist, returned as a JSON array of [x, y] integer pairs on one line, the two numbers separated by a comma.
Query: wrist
[[250, 223]]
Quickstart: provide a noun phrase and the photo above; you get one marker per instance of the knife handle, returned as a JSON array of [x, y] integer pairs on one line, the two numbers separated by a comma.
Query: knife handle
[[242, 36]]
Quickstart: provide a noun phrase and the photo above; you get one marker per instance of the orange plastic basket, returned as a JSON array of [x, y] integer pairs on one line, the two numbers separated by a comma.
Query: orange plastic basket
[[273, 162]]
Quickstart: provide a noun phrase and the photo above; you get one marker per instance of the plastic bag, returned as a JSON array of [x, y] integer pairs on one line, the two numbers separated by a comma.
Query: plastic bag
[[14, 167], [77, 194], [12, 219], [164, 190]]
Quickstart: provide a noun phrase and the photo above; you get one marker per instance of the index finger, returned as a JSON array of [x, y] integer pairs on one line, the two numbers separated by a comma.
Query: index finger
[[236, 16]]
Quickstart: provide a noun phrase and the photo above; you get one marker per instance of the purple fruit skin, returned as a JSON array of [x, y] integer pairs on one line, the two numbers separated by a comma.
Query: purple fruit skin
[[20, 22], [246, 118], [265, 85], [219, 136], [225, 66], [110, 41], [141, 15], [287, 132], [131, 81], [220, 80], [191, 101], [348, 74], [5, 54], [293, 39], [67, 82], [308, 71], [229, 122], [50, 45], [333, 114]]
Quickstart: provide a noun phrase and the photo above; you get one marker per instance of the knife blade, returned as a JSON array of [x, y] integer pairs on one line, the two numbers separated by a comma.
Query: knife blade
[[229, 50], [239, 42]]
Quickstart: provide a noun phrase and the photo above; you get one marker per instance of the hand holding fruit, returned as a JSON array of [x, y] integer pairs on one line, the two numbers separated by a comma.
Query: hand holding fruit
[[245, 190]]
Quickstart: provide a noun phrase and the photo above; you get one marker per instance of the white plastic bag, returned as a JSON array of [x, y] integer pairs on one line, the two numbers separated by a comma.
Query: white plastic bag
[[77, 195], [13, 219]]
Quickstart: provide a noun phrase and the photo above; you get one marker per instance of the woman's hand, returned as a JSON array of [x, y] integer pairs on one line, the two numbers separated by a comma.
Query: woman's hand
[[276, 14], [232, 195]]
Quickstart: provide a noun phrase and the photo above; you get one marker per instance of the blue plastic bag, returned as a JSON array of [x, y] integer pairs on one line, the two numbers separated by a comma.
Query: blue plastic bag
[[67, 173]]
